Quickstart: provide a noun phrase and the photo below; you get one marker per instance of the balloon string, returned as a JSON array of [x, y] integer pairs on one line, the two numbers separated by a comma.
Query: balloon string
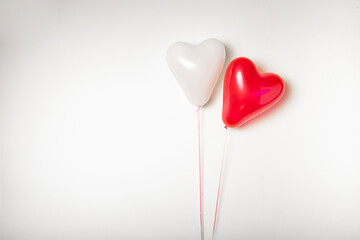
[[200, 184], [219, 187]]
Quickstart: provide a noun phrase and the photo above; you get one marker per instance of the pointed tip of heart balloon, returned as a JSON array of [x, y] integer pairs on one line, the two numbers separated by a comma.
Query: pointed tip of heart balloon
[[197, 68], [248, 92]]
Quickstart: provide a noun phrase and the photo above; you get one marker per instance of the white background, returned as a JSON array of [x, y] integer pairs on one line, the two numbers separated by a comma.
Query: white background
[[97, 140]]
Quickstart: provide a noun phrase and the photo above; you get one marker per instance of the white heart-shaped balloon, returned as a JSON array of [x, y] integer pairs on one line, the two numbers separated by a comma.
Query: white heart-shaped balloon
[[197, 68]]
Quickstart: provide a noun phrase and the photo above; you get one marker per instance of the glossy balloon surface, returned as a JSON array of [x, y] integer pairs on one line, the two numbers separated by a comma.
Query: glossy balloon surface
[[248, 92], [197, 68]]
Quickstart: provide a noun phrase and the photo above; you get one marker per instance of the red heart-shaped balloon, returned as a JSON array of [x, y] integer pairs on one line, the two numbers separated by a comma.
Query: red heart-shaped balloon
[[248, 92]]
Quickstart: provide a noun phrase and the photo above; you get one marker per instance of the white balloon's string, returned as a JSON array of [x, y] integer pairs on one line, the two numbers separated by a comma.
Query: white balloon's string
[[219, 187], [200, 170]]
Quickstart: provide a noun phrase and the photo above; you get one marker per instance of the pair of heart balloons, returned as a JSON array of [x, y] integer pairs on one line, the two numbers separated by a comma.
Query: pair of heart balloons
[[247, 92]]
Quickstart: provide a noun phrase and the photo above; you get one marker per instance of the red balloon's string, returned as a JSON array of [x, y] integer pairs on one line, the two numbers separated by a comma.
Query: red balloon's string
[[219, 187], [201, 223]]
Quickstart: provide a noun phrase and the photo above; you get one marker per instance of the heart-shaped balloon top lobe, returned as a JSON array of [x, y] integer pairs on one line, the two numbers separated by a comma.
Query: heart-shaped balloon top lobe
[[248, 92], [197, 68]]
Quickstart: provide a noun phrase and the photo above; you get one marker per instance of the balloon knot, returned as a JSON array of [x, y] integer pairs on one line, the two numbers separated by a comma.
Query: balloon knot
[[225, 127]]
